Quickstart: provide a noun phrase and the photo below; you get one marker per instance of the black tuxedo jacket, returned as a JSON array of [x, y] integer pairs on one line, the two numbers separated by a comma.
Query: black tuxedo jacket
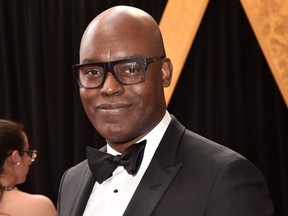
[[188, 175]]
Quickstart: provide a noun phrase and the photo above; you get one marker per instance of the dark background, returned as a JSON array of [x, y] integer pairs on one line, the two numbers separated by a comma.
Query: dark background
[[226, 91]]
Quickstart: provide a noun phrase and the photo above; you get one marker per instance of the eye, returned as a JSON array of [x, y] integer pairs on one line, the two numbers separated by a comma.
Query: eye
[[131, 68], [93, 72]]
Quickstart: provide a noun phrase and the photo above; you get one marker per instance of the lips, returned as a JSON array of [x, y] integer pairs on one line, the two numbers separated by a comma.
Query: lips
[[116, 106]]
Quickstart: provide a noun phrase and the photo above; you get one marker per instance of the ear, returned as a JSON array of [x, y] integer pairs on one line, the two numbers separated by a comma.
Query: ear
[[15, 157], [167, 70]]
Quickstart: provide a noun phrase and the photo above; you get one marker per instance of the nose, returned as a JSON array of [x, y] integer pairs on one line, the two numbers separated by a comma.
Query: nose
[[111, 86]]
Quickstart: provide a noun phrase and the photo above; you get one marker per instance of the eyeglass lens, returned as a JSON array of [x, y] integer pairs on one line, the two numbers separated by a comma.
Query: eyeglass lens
[[32, 154]]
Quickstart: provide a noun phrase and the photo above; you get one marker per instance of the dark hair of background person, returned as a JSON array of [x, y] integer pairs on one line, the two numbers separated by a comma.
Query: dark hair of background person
[[226, 91], [11, 138]]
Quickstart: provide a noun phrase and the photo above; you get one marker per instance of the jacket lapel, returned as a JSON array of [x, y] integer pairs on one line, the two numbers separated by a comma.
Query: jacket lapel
[[86, 185], [159, 175], [83, 192]]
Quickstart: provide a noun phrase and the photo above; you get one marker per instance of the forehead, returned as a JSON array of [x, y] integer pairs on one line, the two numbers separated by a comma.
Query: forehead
[[117, 39], [115, 47]]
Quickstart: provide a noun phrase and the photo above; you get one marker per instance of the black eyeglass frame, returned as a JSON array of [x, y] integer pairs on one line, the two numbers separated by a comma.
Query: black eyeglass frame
[[31, 153], [109, 67]]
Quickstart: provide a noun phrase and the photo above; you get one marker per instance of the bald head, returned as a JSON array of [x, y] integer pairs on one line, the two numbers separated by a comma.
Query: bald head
[[120, 32]]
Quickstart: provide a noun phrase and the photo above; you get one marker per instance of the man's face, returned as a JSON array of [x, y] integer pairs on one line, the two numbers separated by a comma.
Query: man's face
[[121, 113]]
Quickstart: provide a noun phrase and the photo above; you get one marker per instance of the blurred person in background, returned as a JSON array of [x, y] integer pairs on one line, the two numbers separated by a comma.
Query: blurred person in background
[[15, 160]]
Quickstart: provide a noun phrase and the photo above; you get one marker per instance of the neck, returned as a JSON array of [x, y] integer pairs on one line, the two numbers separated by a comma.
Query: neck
[[8, 187]]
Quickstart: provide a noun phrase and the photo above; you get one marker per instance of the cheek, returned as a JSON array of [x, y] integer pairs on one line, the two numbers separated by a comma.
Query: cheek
[[152, 98], [87, 98], [153, 91], [84, 96], [23, 171], [27, 167]]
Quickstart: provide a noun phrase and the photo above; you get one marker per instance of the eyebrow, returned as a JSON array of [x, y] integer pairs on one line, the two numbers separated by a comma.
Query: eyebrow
[[92, 60], [88, 60]]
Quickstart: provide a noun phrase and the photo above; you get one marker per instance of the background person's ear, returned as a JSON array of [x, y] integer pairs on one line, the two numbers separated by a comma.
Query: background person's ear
[[167, 71], [16, 157]]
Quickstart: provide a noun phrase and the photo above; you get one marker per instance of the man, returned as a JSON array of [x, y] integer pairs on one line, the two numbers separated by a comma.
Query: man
[[122, 73]]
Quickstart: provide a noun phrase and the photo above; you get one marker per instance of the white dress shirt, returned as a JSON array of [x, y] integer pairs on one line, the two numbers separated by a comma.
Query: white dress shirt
[[113, 195]]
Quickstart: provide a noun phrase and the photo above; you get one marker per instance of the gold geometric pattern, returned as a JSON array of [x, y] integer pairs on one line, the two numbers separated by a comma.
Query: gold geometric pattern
[[179, 24], [269, 20]]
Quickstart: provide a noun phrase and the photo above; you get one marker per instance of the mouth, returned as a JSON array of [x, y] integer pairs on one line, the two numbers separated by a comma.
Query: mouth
[[113, 107]]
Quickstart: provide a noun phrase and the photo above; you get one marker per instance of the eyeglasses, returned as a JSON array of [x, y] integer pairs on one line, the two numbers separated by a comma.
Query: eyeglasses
[[32, 154], [126, 72]]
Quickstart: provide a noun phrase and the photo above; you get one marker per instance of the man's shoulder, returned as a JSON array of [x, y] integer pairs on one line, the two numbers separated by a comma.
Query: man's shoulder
[[206, 149], [80, 165], [78, 168], [75, 177], [192, 147]]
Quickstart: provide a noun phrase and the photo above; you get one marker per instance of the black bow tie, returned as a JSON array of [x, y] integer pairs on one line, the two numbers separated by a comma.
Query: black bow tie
[[103, 164]]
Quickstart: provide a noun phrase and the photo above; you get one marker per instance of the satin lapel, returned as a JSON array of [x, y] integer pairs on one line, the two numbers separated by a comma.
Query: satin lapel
[[151, 189], [83, 193], [159, 175]]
